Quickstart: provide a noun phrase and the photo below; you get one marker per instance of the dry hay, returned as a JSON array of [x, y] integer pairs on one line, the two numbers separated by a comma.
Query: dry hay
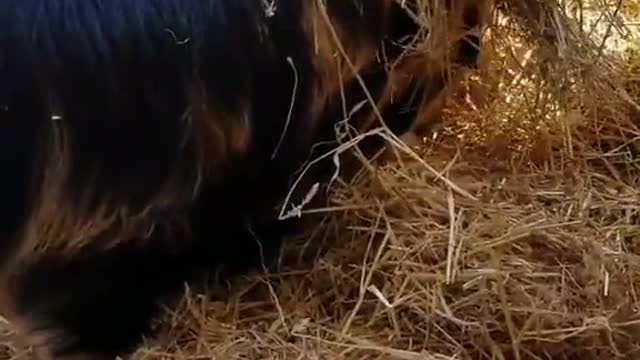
[[512, 232]]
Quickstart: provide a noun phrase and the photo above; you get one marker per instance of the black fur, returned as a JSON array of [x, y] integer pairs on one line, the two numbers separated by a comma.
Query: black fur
[[93, 96]]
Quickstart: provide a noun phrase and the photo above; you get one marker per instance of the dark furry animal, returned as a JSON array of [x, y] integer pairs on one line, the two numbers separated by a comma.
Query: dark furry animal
[[141, 140]]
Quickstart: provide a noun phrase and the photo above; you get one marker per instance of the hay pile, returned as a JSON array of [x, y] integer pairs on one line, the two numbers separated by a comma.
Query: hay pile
[[512, 232]]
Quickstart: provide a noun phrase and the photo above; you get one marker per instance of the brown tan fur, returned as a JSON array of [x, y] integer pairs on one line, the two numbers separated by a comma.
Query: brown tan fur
[[58, 224], [431, 59], [217, 135], [331, 44], [66, 227], [427, 58]]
